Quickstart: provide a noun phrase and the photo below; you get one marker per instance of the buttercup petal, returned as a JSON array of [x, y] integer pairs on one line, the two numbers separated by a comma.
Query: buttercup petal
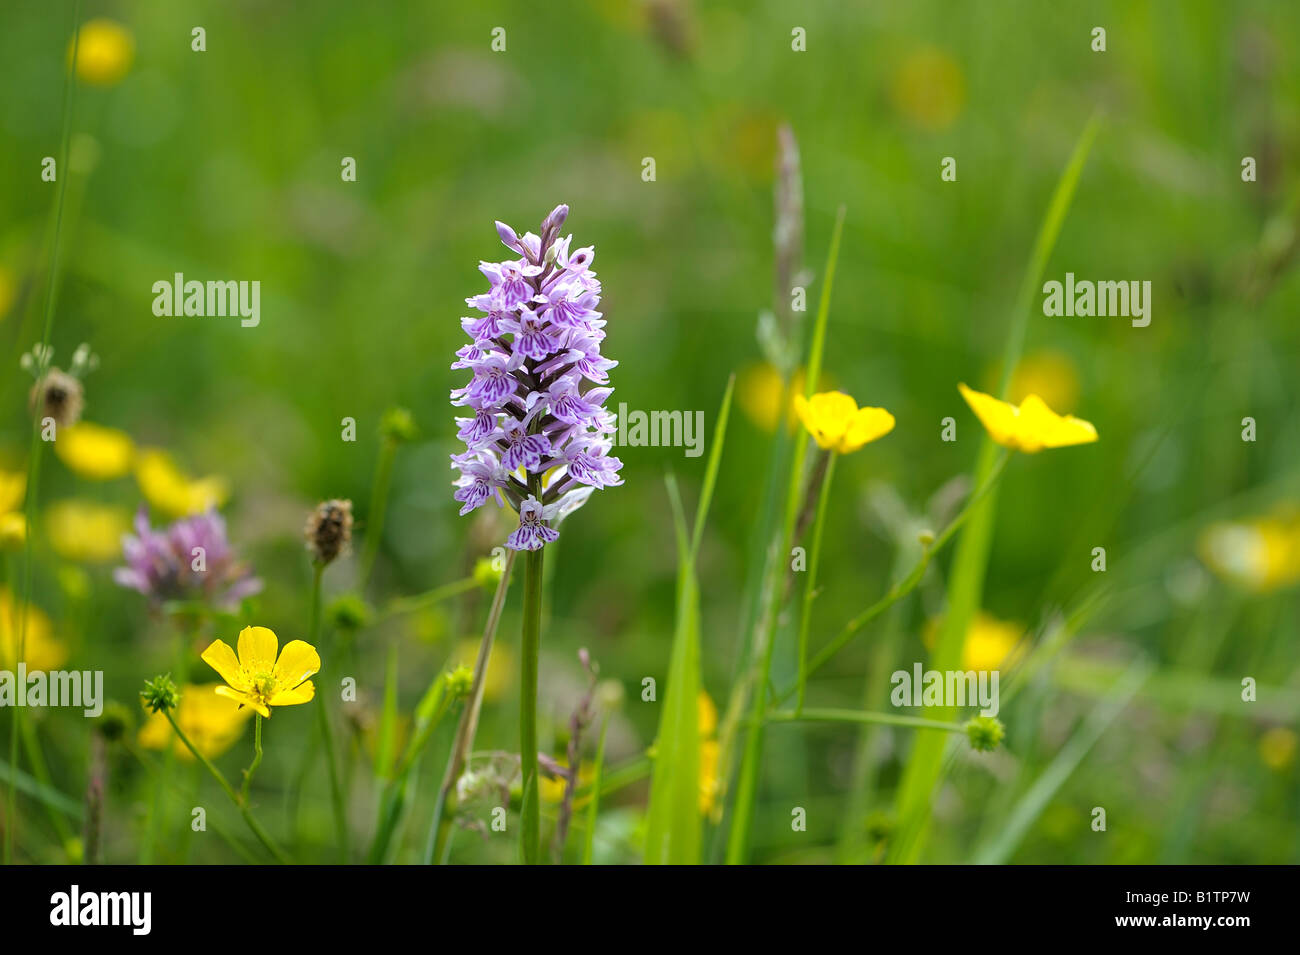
[[998, 417], [298, 660], [868, 425], [1052, 430], [221, 658], [300, 694], [257, 646]]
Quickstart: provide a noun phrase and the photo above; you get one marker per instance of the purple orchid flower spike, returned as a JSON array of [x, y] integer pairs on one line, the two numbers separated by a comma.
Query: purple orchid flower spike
[[538, 439]]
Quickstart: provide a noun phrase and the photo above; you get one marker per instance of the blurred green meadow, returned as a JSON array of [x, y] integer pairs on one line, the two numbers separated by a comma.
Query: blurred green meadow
[[1122, 689]]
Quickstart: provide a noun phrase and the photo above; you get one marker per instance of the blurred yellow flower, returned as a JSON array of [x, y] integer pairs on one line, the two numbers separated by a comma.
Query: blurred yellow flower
[[551, 789], [710, 784], [1049, 374], [758, 392], [1277, 748], [1031, 427], [212, 722], [13, 530], [86, 531], [991, 644], [928, 88], [94, 451], [500, 671], [42, 650], [12, 486], [105, 50], [837, 423], [1261, 555], [173, 492], [256, 678], [13, 525]]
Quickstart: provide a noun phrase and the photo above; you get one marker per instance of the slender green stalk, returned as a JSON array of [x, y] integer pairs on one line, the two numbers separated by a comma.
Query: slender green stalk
[[747, 786], [378, 510], [257, 758], [429, 598], [813, 715], [38, 446], [810, 583], [439, 841], [242, 804], [925, 765], [323, 722], [904, 586], [530, 648]]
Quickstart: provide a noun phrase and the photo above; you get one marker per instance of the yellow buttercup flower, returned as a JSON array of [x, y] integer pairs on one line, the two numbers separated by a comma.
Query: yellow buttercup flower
[[105, 50], [171, 491], [212, 722], [1031, 427], [1260, 555], [256, 678], [94, 451], [86, 531], [837, 423], [13, 530], [42, 650]]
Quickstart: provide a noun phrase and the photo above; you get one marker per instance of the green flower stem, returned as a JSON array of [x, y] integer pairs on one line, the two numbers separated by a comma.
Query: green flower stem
[[810, 583], [530, 647], [257, 758], [378, 510], [37, 445], [337, 798], [440, 829], [765, 632], [904, 586], [242, 804], [862, 716], [429, 597]]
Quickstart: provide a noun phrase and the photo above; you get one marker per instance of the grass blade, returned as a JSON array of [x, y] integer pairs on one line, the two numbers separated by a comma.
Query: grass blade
[[966, 583]]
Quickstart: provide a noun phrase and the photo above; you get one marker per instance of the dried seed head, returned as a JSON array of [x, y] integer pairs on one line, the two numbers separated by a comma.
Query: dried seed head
[[59, 396], [329, 530]]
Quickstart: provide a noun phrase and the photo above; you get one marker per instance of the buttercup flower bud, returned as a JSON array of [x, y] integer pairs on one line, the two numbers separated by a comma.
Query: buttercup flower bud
[[329, 530], [348, 612], [160, 694], [984, 732], [398, 425]]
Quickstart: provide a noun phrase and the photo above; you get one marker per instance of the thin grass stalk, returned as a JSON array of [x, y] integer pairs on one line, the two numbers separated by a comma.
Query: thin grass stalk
[[439, 842], [37, 446], [751, 762], [966, 582], [810, 582]]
